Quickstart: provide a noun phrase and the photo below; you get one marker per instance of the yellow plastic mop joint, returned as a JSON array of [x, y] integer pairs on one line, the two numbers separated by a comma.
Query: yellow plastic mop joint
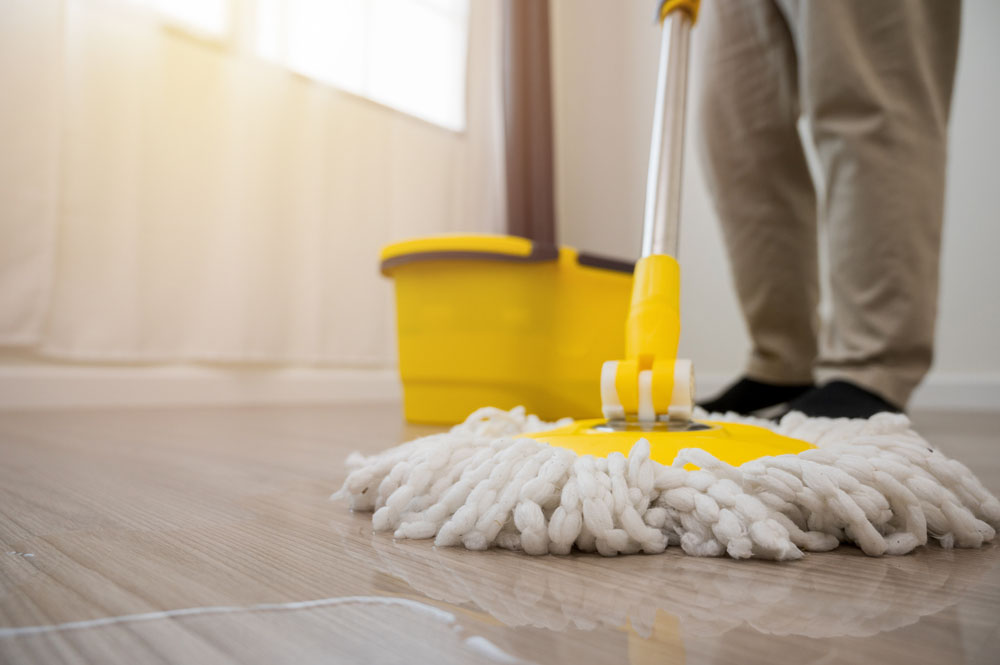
[[689, 6]]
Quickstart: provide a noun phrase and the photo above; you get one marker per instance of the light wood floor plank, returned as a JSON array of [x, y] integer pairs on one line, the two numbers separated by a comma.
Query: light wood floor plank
[[195, 535]]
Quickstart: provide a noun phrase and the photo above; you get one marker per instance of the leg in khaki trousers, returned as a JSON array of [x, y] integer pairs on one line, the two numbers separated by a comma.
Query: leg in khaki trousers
[[873, 81]]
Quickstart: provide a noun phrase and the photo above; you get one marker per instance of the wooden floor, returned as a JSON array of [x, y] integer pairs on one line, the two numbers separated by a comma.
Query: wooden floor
[[206, 536]]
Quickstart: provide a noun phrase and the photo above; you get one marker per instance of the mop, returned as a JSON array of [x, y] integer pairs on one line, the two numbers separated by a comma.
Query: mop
[[656, 471]]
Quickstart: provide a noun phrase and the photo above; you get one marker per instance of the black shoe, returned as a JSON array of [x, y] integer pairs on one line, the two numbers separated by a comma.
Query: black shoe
[[747, 396], [841, 399]]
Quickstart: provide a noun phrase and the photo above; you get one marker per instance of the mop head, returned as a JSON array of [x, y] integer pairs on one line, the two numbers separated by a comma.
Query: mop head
[[875, 483]]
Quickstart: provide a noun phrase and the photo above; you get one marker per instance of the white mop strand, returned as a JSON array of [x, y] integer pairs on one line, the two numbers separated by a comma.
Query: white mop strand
[[873, 482]]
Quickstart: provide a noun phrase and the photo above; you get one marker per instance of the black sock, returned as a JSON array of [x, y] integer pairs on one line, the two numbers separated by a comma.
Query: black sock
[[841, 399], [747, 395]]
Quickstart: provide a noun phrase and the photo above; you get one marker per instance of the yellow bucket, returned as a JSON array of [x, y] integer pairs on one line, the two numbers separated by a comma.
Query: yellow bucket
[[502, 321]]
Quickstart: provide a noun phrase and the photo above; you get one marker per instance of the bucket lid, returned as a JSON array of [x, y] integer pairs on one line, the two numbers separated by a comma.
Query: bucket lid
[[482, 246], [486, 247]]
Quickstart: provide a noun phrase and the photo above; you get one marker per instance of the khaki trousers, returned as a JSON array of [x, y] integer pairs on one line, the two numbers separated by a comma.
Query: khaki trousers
[[873, 81]]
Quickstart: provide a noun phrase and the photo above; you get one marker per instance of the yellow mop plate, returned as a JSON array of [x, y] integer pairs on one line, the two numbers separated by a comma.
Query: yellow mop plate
[[734, 443]]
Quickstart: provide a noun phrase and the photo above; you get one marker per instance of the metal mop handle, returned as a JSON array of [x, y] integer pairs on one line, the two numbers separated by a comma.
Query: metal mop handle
[[661, 220]]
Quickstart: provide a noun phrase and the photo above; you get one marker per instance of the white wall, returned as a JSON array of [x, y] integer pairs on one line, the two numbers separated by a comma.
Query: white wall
[[970, 305], [604, 62]]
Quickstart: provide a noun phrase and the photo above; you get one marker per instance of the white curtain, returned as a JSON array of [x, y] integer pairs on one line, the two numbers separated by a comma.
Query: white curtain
[[163, 199]]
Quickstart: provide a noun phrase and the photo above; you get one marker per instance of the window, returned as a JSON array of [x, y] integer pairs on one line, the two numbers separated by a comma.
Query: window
[[406, 54], [207, 18]]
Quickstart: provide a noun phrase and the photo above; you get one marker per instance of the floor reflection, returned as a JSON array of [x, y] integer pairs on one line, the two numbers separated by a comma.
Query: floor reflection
[[675, 599]]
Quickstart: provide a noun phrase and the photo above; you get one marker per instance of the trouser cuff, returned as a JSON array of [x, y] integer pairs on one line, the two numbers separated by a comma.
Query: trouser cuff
[[760, 369]]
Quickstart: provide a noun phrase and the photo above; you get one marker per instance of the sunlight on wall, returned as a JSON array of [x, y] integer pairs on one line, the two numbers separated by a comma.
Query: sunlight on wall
[[209, 17], [406, 54]]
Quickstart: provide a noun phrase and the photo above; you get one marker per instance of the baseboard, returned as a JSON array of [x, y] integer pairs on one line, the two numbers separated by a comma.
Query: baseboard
[[31, 386], [942, 390], [959, 392], [69, 386]]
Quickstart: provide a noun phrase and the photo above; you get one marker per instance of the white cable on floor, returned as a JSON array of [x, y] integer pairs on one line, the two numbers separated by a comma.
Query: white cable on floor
[[875, 482], [476, 643]]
